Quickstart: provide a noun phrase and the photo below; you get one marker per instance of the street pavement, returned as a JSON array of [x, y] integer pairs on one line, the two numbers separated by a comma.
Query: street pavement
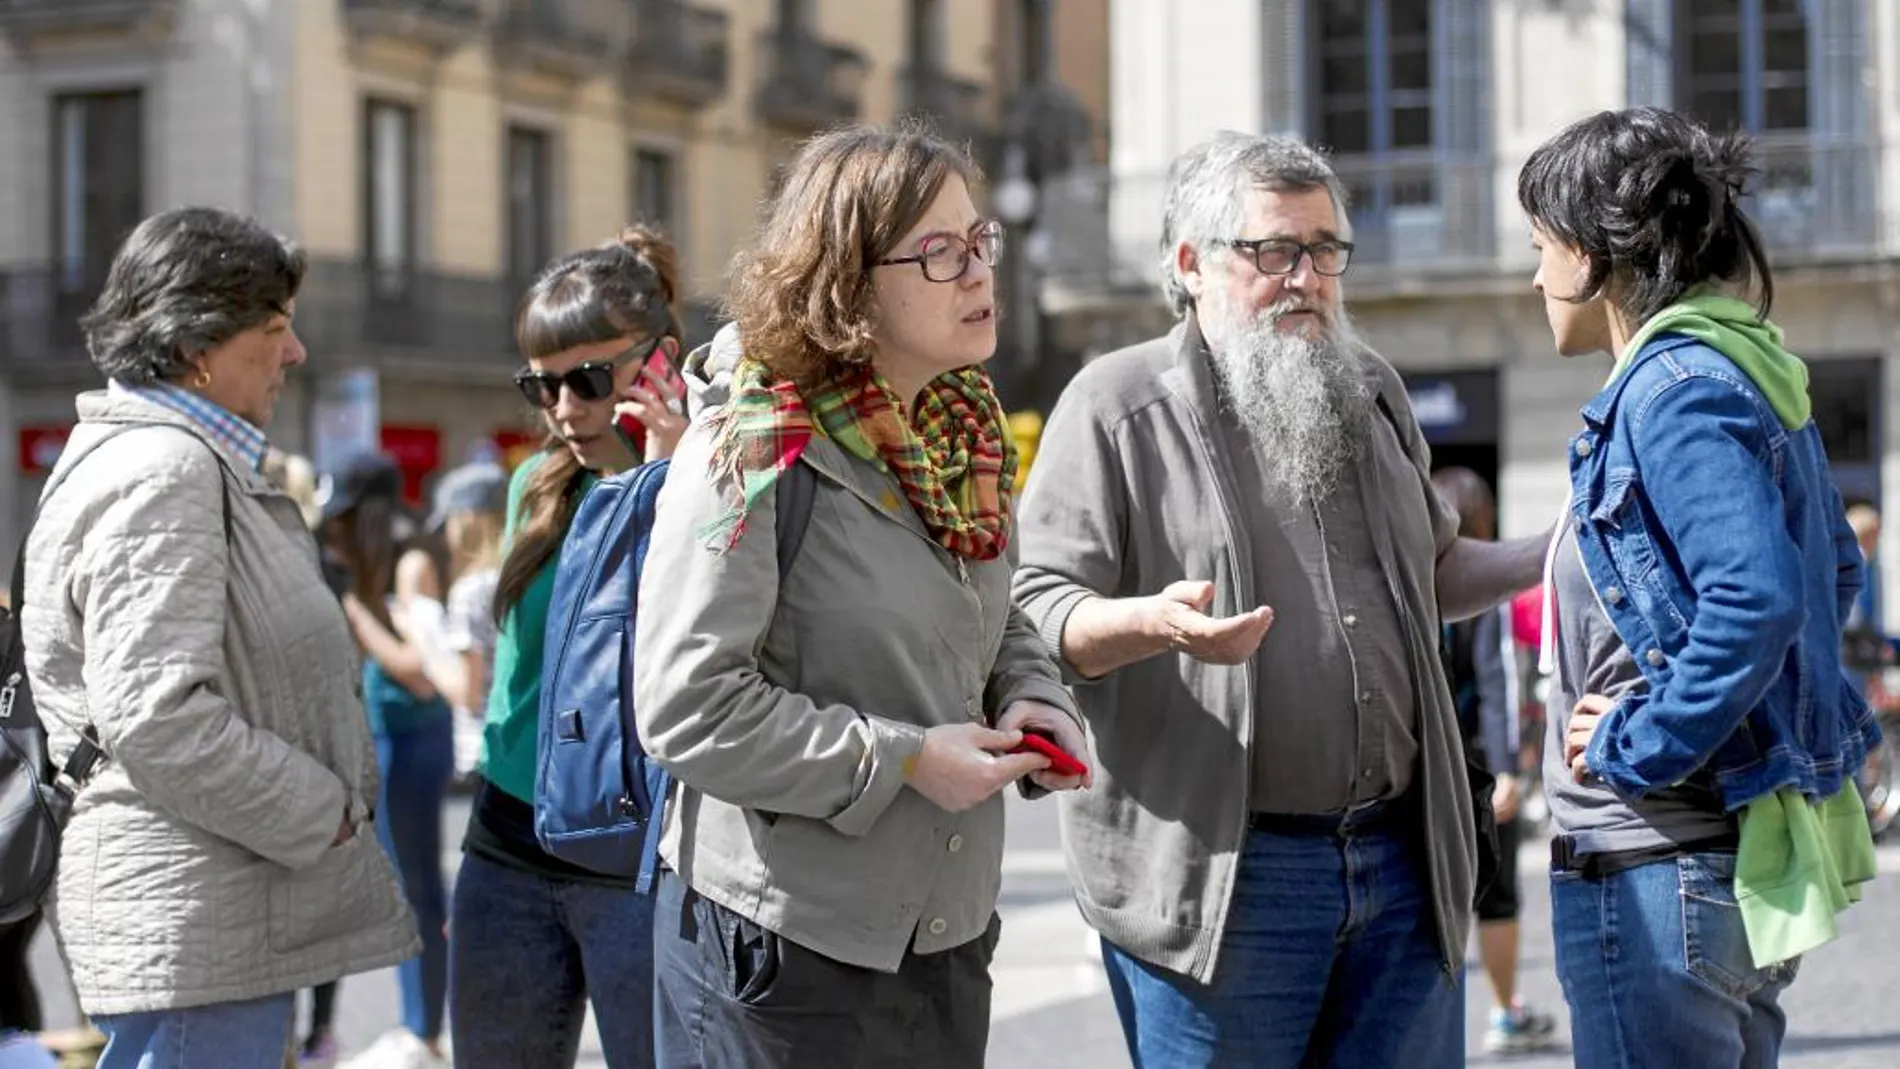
[[1052, 1009]]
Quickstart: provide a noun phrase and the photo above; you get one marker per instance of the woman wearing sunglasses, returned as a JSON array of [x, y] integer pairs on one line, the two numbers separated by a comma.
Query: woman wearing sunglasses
[[536, 938], [842, 732]]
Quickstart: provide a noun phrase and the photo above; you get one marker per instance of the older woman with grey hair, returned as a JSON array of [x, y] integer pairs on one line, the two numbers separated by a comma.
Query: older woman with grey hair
[[220, 855]]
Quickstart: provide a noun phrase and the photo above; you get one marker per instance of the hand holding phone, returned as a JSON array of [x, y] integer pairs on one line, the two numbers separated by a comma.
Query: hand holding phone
[[1060, 762]]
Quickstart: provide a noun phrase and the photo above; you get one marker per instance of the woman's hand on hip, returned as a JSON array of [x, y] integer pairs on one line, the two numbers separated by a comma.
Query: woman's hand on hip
[[961, 765]]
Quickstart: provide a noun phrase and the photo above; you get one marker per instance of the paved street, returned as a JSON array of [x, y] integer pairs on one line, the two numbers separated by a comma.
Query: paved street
[[1052, 1009]]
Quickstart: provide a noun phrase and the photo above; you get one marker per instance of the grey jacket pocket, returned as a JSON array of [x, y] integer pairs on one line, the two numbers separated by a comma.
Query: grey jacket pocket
[[339, 895]]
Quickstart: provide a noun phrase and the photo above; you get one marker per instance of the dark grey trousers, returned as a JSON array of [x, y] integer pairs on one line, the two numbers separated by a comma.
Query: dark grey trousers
[[731, 995]]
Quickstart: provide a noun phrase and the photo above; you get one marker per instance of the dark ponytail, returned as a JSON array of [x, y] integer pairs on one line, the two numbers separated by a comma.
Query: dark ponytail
[[1652, 200]]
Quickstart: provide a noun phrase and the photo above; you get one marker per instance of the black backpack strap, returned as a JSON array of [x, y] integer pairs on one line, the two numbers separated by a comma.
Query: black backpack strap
[[85, 758], [797, 486]]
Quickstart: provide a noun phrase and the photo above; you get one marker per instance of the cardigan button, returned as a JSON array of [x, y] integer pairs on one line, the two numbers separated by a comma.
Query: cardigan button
[[1654, 657], [1583, 447], [1614, 595]]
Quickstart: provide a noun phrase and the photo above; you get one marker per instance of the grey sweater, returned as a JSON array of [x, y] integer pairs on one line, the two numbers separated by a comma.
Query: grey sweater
[[1133, 489]]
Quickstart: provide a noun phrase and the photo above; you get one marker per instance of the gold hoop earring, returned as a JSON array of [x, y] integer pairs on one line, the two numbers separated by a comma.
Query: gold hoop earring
[[203, 381]]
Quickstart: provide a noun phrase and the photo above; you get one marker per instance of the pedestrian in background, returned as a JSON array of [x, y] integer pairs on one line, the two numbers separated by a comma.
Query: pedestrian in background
[[216, 861], [1481, 669], [469, 514], [386, 584], [841, 733], [1701, 727], [537, 938]]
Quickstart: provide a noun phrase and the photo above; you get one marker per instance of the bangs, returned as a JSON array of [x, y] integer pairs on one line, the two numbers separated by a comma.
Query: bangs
[[566, 309]]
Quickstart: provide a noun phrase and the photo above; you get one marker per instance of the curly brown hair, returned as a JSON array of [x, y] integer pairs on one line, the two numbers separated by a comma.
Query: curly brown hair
[[801, 295]]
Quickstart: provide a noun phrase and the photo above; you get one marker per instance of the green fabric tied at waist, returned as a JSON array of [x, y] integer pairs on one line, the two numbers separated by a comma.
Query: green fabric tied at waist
[[1800, 864]]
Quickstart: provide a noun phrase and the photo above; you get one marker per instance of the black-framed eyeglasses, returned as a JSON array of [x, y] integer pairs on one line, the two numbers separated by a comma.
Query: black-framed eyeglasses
[[592, 381], [946, 257], [1278, 256]]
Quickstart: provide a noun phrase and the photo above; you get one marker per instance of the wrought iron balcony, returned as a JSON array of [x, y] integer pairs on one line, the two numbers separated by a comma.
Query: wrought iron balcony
[[954, 106], [808, 83], [439, 24], [680, 52], [25, 21], [1816, 198], [576, 39], [405, 316], [1419, 215]]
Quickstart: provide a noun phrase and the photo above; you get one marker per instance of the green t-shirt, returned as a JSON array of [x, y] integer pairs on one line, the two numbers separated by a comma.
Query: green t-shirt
[[514, 699]]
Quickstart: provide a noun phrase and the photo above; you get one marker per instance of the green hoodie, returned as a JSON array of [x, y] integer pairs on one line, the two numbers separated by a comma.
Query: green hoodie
[[1733, 328]]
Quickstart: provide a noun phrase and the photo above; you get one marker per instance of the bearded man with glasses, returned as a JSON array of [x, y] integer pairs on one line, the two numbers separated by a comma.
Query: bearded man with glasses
[[1280, 850]]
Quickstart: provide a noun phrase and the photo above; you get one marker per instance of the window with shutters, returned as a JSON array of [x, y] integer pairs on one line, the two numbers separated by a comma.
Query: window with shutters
[[1372, 75], [98, 183], [1397, 91], [1743, 64], [530, 201], [389, 195], [653, 190]]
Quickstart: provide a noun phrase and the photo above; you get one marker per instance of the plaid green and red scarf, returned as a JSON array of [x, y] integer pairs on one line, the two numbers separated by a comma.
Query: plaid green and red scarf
[[954, 457]]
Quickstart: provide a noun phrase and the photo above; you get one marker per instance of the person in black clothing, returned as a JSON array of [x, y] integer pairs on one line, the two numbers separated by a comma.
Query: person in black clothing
[[1479, 668]]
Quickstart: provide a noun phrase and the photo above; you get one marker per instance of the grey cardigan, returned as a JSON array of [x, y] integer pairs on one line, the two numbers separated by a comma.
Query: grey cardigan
[[1133, 489], [223, 682]]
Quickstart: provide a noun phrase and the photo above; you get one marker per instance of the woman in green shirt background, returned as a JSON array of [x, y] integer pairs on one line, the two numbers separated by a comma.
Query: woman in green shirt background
[[537, 938]]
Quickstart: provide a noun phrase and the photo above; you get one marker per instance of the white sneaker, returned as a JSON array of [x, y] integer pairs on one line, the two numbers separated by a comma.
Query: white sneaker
[[399, 1049]]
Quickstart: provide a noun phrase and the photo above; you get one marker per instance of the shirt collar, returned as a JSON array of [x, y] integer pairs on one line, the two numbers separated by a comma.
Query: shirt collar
[[235, 435]]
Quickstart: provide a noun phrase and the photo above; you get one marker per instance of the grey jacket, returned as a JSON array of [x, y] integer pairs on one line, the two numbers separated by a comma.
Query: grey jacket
[[222, 680], [787, 707], [1133, 489]]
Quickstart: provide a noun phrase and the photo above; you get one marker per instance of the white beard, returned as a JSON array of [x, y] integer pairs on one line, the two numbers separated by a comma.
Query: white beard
[[1305, 404]]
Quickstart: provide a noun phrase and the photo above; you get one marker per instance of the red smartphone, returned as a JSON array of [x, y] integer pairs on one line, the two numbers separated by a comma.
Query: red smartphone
[[1059, 760], [633, 433]]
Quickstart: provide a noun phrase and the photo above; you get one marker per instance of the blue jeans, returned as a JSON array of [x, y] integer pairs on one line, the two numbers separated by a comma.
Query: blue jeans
[[416, 766], [1656, 969], [1330, 958], [224, 1035], [528, 955]]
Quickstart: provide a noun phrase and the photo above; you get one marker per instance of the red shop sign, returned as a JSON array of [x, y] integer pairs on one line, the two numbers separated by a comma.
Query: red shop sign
[[40, 448], [417, 451]]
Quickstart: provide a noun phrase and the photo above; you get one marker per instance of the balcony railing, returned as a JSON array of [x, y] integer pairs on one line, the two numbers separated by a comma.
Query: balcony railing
[[953, 105], [345, 309], [680, 52], [807, 83], [438, 24], [22, 21], [1419, 215], [1816, 198], [575, 39]]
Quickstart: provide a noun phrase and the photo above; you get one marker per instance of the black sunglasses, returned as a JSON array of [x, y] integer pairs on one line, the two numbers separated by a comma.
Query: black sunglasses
[[588, 382]]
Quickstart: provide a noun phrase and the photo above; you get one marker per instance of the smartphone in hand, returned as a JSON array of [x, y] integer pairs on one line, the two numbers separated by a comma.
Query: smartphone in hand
[[1060, 762]]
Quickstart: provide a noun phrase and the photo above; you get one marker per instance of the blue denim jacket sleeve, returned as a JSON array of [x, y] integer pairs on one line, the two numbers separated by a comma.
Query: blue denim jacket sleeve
[[1704, 460]]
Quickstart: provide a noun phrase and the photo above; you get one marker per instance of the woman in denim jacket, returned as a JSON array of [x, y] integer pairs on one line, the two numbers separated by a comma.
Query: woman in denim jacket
[[1699, 581]]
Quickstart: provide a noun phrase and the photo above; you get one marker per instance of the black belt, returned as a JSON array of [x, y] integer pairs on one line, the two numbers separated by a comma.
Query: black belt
[[1565, 857], [1369, 815]]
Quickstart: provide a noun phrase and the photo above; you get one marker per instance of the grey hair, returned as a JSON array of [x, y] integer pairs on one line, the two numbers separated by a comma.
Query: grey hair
[[1205, 201], [187, 280]]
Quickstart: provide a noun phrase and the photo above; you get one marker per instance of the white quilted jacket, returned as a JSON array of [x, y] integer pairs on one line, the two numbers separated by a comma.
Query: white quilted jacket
[[223, 683]]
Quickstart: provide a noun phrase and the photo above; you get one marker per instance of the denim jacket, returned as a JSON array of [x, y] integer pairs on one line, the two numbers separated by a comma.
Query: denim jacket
[[1719, 550]]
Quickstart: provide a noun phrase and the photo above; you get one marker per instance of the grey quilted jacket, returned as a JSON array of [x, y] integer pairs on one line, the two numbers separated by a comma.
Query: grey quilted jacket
[[222, 680]]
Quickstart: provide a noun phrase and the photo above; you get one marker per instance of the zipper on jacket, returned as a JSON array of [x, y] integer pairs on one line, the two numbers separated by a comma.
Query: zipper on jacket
[[7, 693]]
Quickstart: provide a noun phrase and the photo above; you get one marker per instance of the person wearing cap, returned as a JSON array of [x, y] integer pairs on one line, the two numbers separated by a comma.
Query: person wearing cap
[[470, 509], [221, 857], [388, 588]]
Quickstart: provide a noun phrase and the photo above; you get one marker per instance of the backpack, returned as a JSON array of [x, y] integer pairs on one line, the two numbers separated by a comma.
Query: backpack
[[36, 796], [598, 800]]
